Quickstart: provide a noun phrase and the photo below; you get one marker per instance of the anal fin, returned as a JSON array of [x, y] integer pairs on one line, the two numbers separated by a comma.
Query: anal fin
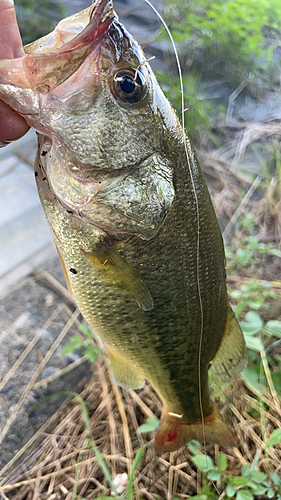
[[123, 374], [117, 271], [231, 357], [174, 433]]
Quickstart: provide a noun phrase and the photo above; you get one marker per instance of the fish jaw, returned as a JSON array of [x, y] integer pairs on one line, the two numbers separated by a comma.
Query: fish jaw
[[64, 32], [51, 61], [50, 69]]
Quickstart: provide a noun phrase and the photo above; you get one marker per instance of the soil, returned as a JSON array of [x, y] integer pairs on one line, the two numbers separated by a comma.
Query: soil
[[24, 311]]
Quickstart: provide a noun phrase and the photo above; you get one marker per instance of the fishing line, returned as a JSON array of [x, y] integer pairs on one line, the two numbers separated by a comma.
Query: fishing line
[[143, 62], [183, 109]]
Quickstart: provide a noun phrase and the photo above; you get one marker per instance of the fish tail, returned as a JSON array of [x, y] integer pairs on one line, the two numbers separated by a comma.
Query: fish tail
[[174, 432]]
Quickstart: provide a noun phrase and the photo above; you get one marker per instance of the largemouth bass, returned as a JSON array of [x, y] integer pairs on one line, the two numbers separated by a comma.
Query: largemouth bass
[[131, 217]]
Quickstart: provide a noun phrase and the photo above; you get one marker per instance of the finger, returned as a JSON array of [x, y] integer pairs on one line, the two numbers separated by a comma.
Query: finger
[[10, 39], [12, 126]]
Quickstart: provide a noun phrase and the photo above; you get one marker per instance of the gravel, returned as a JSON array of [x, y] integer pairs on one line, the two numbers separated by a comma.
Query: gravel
[[24, 311]]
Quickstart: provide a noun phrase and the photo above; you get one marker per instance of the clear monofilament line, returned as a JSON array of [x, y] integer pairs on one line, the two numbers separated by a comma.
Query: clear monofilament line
[[197, 211]]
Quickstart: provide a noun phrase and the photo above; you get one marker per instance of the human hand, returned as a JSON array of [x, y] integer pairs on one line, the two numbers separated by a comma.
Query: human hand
[[12, 125]]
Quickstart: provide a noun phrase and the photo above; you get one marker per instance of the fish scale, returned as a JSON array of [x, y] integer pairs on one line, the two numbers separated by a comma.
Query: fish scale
[[131, 217], [175, 325]]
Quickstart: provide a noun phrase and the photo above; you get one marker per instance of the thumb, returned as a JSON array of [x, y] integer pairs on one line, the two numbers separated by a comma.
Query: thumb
[[10, 39], [12, 126]]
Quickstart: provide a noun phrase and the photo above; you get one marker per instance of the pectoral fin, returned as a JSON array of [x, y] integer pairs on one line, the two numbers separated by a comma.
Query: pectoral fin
[[231, 357], [117, 271], [123, 374]]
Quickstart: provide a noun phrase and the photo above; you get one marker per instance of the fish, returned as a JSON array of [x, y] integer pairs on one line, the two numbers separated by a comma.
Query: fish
[[131, 217]]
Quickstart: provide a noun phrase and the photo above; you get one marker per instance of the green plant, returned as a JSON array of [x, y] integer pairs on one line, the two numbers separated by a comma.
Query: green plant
[[37, 18], [199, 115], [249, 257], [216, 478], [223, 36], [262, 339], [253, 295], [150, 425], [226, 41], [83, 342], [247, 251], [128, 495]]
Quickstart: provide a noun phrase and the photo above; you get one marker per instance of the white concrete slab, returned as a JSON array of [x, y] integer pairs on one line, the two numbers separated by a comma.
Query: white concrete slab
[[24, 231]]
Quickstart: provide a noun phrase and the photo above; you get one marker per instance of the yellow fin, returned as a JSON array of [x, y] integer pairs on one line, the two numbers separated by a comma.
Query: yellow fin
[[118, 272], [65, 273], [231, 357], [123, 374], [174, 433]]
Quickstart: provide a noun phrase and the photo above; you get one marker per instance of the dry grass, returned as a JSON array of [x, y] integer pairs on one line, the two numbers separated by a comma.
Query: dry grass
[[247, 162], [59, 460]]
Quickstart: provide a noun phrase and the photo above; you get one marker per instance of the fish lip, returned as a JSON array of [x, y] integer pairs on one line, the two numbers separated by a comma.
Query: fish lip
[[101, 18], [102, 9], [46, 71]]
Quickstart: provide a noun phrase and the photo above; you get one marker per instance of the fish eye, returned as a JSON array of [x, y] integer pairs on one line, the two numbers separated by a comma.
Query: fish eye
[[128, 85]]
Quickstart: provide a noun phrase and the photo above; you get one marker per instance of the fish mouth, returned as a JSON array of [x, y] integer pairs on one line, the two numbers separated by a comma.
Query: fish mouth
[[47, 69], [101, 9]]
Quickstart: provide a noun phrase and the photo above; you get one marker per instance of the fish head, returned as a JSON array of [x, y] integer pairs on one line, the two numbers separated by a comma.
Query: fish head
[[104, 123]]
